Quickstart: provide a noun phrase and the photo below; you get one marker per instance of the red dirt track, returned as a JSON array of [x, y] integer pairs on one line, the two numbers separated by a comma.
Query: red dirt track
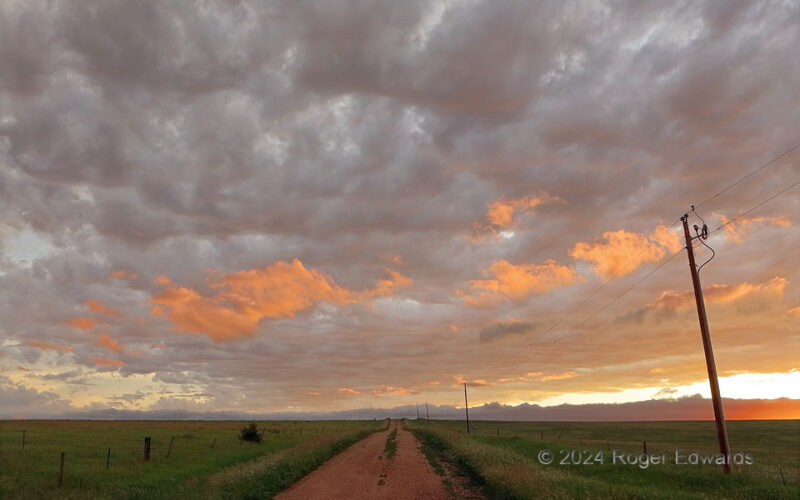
[[362, 472]]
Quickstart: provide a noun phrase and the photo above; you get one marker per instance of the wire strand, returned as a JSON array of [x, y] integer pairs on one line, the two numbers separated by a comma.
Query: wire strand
[[759, 169], [755, 207]]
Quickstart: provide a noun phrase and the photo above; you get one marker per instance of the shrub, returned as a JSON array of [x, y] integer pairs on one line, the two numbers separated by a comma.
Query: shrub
[[251, 433]]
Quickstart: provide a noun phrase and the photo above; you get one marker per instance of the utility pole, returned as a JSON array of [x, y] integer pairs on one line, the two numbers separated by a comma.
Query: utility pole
[[722, 432], [466, 405], [417, 410], [427, 413]]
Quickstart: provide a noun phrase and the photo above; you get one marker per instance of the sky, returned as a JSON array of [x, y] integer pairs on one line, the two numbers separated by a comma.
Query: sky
[[299, 206]]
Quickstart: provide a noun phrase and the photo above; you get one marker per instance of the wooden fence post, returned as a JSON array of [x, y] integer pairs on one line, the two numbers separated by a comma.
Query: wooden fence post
[[108, 458], [644, 447], [147, 449], [61, 470], [213, 443], [169, 450]]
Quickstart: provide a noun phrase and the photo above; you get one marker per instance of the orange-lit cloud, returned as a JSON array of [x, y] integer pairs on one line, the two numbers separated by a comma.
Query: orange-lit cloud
[[108, 343], [721, 293], [389, 389], [501, 211], [347, 390], [736, 230], [795, 310], [313, 393], [22, 368], [621, 252], [99, 308], [107, 362], [473, 382], [121, 274], [557, 376], [51, 347], [82, 322], [245, 297], [518, 281]]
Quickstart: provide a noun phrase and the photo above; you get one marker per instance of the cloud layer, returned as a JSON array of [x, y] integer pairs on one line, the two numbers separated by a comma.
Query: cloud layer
[[250, 206]]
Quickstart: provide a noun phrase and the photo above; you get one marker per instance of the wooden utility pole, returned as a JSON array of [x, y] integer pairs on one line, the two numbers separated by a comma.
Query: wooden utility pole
[[417, 411], [466, 405], [427, 413], [722, 432]]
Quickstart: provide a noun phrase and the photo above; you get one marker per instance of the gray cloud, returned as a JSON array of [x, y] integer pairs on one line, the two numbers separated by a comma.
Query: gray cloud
[[500, 330], [171, 140]]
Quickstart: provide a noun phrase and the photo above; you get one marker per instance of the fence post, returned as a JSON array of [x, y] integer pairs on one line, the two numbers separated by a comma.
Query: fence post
[[169, 450], [61, 470], [147, 449], [644, 447], [23, 439], [213, 443], [108, 458]]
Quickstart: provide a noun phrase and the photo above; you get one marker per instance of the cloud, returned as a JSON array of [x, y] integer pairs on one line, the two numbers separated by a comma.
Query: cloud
[[82, 322], [244, 298], [517, 282], [500, 330], [121, 274], [388, 389], [99, 308], [46, 346], [471, 382], [735, 230], [109, 343], [347, 390], [558, 376], [621, 252], [147, 139], [501, 213], [107, 361], [721, 293]]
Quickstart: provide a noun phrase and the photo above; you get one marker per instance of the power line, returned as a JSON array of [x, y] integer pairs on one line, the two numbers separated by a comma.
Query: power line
[[759, 169], [756, 206], [619, 296], [658, 235], [662, 264], [612, 277]]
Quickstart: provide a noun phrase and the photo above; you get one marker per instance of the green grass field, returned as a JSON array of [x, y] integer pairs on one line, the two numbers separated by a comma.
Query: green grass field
[[504, 458], [193, 469]]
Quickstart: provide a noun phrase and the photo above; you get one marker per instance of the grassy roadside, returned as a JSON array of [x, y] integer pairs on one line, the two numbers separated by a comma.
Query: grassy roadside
[[185, 456], [508, 468], [390, 448], [267, 476]]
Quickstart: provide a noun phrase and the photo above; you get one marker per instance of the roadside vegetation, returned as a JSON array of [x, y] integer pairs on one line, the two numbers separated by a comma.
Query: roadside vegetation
[[189, 459], [504, 458], [390, 448]]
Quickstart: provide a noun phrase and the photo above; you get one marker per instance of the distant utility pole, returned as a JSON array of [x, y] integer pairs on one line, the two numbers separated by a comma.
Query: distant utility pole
[[417, 411], [722, 432], [427, 413], [466, 405]]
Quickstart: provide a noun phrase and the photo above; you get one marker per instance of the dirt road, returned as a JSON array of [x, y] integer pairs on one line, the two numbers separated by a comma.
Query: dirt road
[[363, 471]]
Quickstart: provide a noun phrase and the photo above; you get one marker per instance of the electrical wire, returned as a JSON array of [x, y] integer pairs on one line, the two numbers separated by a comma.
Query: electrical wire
[[627, 263], [759, 169], [619, 296], [596, 290], [755, 207]]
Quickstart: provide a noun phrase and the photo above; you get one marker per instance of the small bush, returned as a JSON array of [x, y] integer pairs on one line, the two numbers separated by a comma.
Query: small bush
[[251, 433]]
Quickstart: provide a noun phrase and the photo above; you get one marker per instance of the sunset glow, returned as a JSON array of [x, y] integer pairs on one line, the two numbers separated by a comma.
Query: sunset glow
[[290, 206]]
